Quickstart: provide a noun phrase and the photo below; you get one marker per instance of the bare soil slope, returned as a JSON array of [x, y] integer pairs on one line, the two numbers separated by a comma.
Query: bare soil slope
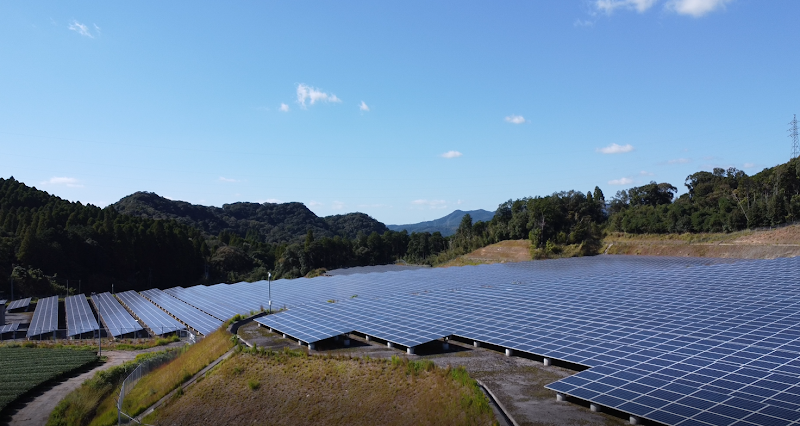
[[504, 251]]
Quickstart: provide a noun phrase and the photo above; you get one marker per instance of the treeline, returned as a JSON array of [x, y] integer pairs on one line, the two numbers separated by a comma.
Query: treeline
[[718, 201], [45, 240]]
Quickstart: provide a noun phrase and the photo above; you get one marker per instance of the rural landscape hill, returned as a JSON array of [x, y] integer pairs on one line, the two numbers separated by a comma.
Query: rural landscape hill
[[273, 223], [446, 225]]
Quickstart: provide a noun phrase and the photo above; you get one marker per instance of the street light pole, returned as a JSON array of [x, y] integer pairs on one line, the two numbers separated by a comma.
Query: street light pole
[[269, 285]]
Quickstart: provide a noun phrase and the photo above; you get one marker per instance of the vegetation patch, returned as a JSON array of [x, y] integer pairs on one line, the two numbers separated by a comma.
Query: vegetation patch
[[22, 369], [169, 376], [290, 387]]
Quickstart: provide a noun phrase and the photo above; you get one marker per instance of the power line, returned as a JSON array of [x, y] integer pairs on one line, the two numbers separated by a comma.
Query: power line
[[793, 134]]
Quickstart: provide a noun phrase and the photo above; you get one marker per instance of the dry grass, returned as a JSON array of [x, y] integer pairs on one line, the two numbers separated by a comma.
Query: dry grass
[[169, 376], [291, 388], [504, 251]]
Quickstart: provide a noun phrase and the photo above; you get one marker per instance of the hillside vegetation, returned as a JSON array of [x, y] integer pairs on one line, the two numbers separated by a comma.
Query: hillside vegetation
[[447, 225], [291, 388]]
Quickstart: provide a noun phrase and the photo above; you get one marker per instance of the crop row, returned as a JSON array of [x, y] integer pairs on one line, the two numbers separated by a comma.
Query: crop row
[[22, 369]]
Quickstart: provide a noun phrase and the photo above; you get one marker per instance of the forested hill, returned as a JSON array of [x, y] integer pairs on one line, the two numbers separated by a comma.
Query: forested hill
[[446, 225], [268, 222]]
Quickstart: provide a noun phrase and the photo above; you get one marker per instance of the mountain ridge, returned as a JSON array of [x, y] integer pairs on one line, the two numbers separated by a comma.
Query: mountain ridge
[[447, 225]]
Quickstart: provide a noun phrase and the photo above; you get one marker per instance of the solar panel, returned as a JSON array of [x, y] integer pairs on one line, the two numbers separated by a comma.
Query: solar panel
[[19, 304], [80, 318], [116, 319], [8, 328], [45, 317], [3, 301], [205, 324], [158, 321]]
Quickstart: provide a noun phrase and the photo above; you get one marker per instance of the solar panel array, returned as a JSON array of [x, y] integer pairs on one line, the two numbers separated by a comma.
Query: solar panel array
[[19, 304], [711, 345], [80, 318], [117, 320], [158, 321], [45, 317], [204, 323], [3, 301]]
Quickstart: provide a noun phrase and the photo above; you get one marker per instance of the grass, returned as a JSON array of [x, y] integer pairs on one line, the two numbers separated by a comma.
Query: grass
[[93, 403], [163, 380], [91, 345], [24, 368], [290, 387]]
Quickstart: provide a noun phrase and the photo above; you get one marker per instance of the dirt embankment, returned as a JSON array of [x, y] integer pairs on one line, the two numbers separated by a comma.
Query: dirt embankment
[[764, 244], [769, 244]]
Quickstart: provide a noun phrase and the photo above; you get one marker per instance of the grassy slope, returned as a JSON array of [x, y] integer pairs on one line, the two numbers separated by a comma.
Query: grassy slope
[[94, 402], [769, 244], [290, 388]]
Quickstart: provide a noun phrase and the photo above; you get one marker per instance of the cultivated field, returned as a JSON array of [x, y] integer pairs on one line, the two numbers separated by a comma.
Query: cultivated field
[[22, 369]]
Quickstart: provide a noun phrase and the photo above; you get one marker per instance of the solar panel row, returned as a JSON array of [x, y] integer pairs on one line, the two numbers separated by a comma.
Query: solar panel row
[[158, 321], [117, 320], [8, 328], [45, 317], [80, 318], [19, 304], [205, 324]]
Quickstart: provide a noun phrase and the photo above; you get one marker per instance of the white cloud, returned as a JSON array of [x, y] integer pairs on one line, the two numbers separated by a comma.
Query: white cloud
[[621, 181], [337, 205], [81, 29], [363, 107], [616, 149], [609, 6], [452, 154], [646, 173], [96, 28], [432, 204], [679, 161], [749, 165], [66, 181], [515, 119], [284, 108], [224, 179], [313, 95], [695, 8], [583, 23], [314, 203]]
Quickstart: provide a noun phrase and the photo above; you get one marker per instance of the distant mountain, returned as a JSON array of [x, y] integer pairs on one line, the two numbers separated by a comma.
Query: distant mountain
[[285, 222], [446, 225]]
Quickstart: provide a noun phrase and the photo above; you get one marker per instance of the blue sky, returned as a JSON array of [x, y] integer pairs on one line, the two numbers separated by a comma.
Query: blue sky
[[402, 110]]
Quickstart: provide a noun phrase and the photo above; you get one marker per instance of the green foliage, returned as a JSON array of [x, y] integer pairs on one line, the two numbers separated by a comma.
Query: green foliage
[[22, 369], [253, 384]]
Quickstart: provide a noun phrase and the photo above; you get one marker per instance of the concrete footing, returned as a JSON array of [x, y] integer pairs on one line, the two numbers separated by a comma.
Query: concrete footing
[[560, 397], [300, 342], [311, 346], [410, 351], [368, 338], [476, 343], [509, 352], [284, 335], [596, 408], [390, 344], [546, 361], [635, 420]]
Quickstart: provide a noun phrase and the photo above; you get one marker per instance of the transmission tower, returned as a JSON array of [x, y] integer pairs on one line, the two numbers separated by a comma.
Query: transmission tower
[[793, 135]]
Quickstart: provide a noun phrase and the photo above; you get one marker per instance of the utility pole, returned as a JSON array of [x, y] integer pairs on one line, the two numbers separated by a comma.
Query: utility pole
[[793, 135]]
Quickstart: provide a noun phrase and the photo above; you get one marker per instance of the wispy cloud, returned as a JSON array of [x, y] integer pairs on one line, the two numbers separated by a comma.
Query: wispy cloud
[[452, 154], [337, 205], [609, 6], [224, 179], [680, 161], [748, 165], [694, 8], [616, 149], [81, 28], [583, 23], [284, 108], [432, 204], [306, 93], [621, 181], [646, 173], [515, 119], [314, 203], [66, 181], [363, 107]]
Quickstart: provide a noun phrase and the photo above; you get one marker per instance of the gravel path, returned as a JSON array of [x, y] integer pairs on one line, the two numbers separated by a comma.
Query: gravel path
[[37, 408]]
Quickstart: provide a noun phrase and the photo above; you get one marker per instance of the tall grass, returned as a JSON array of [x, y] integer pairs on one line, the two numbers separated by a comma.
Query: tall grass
[[169, 376]]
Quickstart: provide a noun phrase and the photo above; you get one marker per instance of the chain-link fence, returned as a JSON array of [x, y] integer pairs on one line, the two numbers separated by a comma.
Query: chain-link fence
[[141, 370]]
